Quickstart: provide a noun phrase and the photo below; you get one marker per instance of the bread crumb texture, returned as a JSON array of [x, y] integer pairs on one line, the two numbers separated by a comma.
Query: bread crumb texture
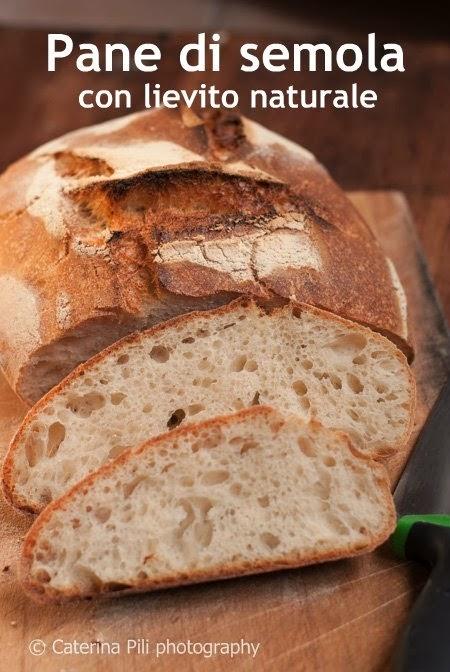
[[240, 494], [299, 360]]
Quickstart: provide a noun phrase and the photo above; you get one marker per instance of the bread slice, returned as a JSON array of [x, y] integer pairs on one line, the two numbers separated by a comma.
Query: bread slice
[[296, 358], [240, 494]]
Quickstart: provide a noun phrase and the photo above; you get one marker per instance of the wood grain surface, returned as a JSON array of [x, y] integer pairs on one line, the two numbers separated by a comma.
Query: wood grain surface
[[338, 617]]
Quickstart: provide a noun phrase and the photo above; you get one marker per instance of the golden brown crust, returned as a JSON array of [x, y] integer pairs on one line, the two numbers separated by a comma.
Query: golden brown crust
[[96, 219], [42, 593], [8, 468]]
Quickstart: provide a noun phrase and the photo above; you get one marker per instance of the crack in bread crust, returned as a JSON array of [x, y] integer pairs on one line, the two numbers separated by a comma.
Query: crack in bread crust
[[100, 204]]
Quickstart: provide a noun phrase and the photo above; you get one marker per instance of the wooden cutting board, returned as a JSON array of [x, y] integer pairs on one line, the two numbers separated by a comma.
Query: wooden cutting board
[[343, 616]]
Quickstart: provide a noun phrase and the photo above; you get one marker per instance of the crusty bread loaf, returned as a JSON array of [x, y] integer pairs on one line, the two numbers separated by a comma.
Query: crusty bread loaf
[[120, 226], [297, 358], [241, 494]]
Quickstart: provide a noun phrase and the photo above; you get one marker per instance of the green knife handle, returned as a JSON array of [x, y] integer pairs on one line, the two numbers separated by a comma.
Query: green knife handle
[[425, 645]]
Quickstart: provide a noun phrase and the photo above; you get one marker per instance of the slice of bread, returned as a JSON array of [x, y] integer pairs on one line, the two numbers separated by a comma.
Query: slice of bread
[[240, 494], [296, 358]]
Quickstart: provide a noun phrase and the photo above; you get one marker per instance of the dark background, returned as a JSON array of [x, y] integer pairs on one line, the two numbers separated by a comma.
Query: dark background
[[402, 144]]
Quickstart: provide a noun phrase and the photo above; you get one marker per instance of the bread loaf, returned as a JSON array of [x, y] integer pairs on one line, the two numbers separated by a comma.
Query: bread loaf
[[118, 227], [297, 358], [242, 494]]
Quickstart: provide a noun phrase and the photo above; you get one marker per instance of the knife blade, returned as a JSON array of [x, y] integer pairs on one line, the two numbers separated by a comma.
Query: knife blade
[[422, 499]]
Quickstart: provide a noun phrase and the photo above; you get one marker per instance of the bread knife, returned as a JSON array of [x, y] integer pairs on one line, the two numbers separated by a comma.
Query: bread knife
[[422, 499]]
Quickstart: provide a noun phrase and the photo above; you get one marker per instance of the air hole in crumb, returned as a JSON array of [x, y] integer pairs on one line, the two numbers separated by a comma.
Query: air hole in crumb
[[264, 501], [392, 397], [329, 461], [56, 435], [130, 487], [305, 404], [193, 409], [269, 539], [123, 359], [34, 449], [187, 481], [84, 405], [336, 382], [255, 400], [239, 363], [147, 408], [207, 382], [307, 364], [159, 353], [348, 344], [102, 514], [236, 489], [202, 333], [203, 532], [306, 446], [215, 477], [188, 339], [359, 359], [176, 418], [117, 398], [354, 383], [299, 388], [248, 445]]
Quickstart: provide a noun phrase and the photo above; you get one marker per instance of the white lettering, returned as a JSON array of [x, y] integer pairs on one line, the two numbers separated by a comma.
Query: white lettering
[[52, 53]]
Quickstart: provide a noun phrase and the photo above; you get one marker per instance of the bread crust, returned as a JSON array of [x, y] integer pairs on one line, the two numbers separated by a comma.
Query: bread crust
[[148, 217], [8, 468], [43, 594]]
